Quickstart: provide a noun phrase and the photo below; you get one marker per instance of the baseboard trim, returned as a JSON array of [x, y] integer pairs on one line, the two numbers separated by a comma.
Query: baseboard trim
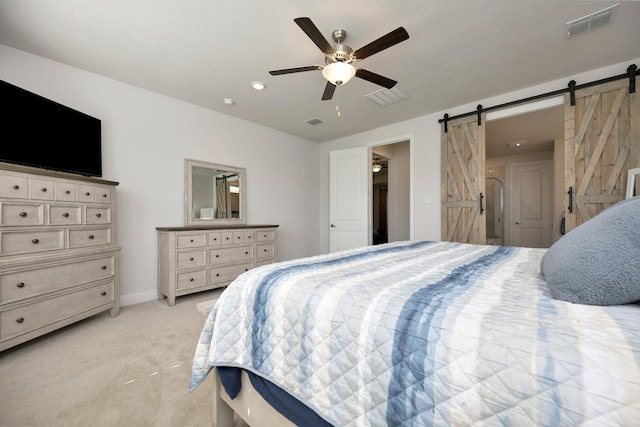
[[138, 298]]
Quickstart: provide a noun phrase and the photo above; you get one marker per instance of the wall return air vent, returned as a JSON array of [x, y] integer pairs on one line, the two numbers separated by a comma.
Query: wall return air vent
[[591, 21]]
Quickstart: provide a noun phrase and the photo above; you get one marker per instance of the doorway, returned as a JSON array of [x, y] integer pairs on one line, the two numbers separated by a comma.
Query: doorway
[[513, 141], [379, 200], [390, 192]]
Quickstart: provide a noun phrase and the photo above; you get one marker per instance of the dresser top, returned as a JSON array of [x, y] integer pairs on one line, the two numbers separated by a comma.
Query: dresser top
[[216, 227], [52, 173]]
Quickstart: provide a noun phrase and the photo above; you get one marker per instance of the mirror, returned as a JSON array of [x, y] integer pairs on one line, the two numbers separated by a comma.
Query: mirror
[[214, 194]]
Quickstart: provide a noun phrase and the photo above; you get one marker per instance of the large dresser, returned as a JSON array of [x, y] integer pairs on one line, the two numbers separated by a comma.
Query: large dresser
[[198, 258], [59, 257]]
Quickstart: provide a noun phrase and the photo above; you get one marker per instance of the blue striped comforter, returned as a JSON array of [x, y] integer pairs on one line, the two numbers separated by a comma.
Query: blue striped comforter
[[422, 333]]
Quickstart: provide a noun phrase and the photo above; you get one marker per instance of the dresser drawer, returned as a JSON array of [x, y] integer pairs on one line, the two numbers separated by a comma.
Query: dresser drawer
[[80, 238], [265, 236], [215, 238], [40, 189], [94, 215], [103, 195], [190, 259], [19, 285], [24, 242], [65, 192], [224, 255], [191, 280], [226, 238], [86, 193], [27, 318], [65, 215], [264, 250], [17, 214], [191, 241], [14, 187], [228, 273]]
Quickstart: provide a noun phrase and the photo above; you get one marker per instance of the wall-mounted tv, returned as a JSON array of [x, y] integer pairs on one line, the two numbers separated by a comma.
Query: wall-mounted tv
[[36, 131]]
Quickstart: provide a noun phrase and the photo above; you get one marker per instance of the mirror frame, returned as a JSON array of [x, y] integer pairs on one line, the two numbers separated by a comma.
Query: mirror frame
[[189, 164], [632, 189]]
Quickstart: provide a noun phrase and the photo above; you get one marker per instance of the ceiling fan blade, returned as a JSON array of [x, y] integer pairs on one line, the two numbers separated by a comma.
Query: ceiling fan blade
[[394, 37], [329, 89], [295, 70], [375, 78], [314, 34]]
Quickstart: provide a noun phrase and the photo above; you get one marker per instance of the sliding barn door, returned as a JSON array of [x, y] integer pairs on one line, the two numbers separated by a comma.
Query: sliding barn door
[[462, 179], [601, 144]]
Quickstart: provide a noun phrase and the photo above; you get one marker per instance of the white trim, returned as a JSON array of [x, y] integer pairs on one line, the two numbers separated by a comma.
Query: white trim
[[525, 108], [631, 180]]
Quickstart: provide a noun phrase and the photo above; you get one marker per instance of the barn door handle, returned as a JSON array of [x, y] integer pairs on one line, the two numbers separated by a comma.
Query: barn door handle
[[570, 193], [481, 208]]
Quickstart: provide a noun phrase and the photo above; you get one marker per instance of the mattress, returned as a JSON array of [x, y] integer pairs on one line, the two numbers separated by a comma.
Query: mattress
[[422, 333]]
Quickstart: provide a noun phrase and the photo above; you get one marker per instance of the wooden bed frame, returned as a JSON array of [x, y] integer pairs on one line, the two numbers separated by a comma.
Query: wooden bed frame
[[248, 405]]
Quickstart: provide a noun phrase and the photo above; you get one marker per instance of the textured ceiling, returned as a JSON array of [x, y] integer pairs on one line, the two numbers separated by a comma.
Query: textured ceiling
[[203, 51]]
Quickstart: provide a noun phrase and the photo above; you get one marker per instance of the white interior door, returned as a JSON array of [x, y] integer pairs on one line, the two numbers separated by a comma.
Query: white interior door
[[532, 204], [348, 199]]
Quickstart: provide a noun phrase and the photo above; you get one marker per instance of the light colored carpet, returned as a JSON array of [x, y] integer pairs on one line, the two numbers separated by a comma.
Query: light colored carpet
[[129, 370]]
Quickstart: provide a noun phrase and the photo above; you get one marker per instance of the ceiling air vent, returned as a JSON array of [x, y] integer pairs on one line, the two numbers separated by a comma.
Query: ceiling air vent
[[314, 121], [591, 21], [384, 97]]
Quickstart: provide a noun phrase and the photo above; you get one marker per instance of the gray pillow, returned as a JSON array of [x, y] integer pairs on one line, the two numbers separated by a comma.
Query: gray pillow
[[598, 262]]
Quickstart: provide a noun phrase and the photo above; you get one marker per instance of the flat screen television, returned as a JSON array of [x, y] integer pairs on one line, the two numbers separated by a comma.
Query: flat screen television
[[36, 131]]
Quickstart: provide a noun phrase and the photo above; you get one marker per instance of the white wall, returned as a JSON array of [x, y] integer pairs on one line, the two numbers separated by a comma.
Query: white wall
[[145, 139], [424, 133]]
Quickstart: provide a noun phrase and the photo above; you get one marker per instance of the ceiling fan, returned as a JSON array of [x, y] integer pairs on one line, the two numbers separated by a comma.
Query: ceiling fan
[[339, 61]]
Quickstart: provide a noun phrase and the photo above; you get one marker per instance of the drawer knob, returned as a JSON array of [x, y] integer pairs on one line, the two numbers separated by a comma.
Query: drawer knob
[[104, 267], [217, 256], [265, 250], [20, 285], [98, 215], [20, 319], [91, 236], [35, 241], [191, 259], [16, 187], [215, 238], [238, 237], [23, 214], [66, 214], [227, 238], [191, 280], [217, 274], [67, 192], [103, 293], [43, 189], [246, 252], [105, 195], [87, 194]]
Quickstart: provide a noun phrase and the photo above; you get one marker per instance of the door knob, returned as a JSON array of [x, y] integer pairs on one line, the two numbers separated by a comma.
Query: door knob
[[333, 225]]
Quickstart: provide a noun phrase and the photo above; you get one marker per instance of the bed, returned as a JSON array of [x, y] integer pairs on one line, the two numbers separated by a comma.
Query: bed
[[421, 333]]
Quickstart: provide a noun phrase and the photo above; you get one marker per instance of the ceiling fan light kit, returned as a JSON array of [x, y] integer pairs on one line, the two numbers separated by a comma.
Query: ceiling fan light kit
[[339, 69], [339, 73]]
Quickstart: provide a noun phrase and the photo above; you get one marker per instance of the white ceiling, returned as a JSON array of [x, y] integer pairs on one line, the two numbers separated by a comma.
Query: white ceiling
[[203, 51]]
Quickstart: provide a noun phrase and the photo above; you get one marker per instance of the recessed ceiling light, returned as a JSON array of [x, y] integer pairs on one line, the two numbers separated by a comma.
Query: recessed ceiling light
[[516, 144], [258, 85]]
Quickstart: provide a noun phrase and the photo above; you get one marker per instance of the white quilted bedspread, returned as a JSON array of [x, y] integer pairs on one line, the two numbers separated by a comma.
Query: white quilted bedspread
[[428, 333]]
